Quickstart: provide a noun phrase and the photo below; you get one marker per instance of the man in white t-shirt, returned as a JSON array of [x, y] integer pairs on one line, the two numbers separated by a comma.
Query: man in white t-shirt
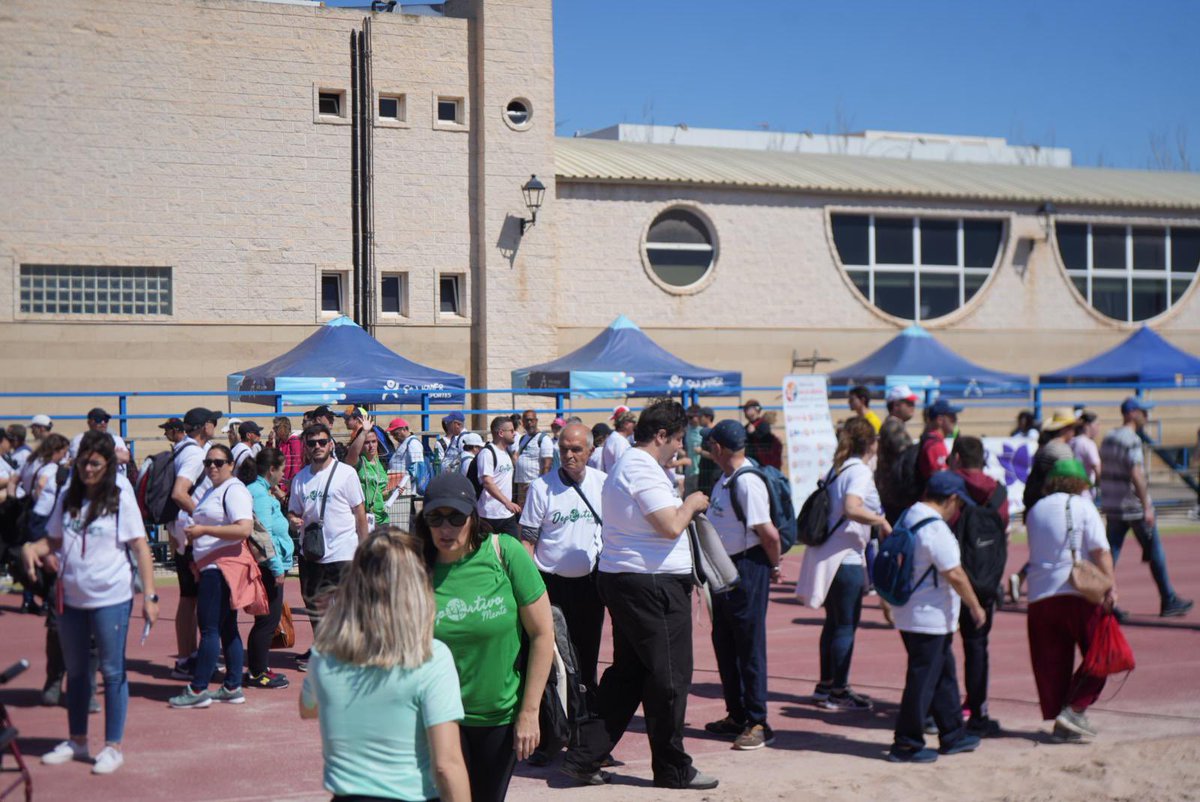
[[645, 579], [533, 453], [740, 511], [199, 425], [560, 524], [494, 469], [326, 505], [618, 442], [249, 442], [409, 451], [97, 421], [927, 622]]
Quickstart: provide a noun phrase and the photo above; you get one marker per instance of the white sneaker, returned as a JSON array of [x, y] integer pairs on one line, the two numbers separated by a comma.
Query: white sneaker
[[108, 761], [65, 752]]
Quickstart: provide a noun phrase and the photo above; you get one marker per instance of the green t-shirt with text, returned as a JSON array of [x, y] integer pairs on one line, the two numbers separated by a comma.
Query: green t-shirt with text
[[478, 618]]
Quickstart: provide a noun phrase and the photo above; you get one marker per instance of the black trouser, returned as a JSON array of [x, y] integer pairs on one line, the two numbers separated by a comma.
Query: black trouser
[[56, 666], [930, 688], [581, 607], [258, 642], [975, 659], [316, 581], [507, 526], [490, 759], [739, 638], [652, 666]]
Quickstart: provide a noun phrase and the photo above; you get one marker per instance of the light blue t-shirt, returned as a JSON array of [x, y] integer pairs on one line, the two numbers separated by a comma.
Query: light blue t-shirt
[[373, 722]]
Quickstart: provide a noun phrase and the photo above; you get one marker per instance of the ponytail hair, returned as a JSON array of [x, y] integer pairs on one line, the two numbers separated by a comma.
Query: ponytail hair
[[857, 436], [252, 468]]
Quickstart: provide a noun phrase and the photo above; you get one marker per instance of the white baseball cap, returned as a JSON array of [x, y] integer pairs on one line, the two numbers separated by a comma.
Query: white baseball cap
[[233, 424], [41, 420], [901, 392], [472, 439]]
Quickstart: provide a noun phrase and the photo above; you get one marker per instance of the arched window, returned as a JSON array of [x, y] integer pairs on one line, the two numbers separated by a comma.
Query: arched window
[[917, 268], [679, 247], [1129, 273]]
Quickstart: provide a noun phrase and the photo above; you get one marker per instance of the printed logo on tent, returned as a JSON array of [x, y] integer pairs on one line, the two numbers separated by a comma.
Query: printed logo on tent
[[393, 389], [675, 382]]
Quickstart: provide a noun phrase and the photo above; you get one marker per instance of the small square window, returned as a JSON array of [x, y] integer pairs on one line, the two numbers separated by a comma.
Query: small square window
[[449, 110], [391, 107], [394, 294], [331, 292], [330, 103], [449, 300]]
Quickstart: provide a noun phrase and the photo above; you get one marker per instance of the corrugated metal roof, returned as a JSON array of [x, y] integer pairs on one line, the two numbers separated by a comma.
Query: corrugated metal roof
[[629, 162]]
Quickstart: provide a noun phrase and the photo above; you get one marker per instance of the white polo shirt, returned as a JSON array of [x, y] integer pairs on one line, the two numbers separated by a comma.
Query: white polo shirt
[[933, 607], [637, 487], [568, 535], [494, 461], [752, 495], [531, 450], [345, 493], [616, 445]]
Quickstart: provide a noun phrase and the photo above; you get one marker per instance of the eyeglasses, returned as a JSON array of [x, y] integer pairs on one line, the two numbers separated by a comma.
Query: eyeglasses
[[219, 463], [317, 442], [435, 518]]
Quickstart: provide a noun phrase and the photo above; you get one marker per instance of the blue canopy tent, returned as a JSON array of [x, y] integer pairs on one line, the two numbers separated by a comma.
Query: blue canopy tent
[[619, 361], [1143, 358], [915, 353], [341, 363]]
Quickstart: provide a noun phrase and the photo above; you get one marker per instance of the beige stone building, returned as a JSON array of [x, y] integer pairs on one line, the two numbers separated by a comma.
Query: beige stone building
[[178, 205]]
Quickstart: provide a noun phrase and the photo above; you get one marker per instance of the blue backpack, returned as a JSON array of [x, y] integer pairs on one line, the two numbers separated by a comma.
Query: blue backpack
[[779, 490], [893, 566]]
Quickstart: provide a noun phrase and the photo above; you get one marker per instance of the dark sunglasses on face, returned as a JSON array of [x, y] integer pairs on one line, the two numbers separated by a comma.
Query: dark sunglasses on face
[[435, 518], [219, 463], [317, 442]]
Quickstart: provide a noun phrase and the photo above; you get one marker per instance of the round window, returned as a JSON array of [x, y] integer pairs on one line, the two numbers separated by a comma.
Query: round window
[[518, 113], [679, 247]]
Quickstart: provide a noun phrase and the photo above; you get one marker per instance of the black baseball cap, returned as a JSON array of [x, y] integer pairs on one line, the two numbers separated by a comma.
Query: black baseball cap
[[198, 416], [249, 427], [97, 415], [322, 412], [451, 490], [172, 423]]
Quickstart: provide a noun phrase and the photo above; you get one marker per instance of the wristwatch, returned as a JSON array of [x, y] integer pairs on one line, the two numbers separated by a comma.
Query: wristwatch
[[152, 597]]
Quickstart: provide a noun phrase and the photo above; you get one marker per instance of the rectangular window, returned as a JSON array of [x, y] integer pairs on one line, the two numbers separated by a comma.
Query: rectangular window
[[1149, 249], [1110, 297], [330, 103], [391, 107], [331, 292], [1108, 247], [850, 232], [894, 293], [939, 295], [449, 110], [981, 242], [1185, 250], [1072, 244], [92, 290], [1149, 298], [449, 295], [394, 294], [939, 243]]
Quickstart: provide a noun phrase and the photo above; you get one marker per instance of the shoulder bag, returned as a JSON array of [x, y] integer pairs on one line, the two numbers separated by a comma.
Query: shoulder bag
[[1086, 576], [313, 540]]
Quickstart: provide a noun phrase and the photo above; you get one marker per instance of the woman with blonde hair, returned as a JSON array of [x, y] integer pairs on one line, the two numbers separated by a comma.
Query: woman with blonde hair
[[833, 574], [386, 693]]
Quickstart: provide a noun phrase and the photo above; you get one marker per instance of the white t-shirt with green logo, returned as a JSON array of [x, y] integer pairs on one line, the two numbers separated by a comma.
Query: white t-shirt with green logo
[[569, 541]]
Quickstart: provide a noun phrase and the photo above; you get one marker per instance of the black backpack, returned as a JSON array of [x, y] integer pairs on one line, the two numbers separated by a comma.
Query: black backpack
[[907, 485], [984, 544], [156, 482], [812, 524], [473, 472]]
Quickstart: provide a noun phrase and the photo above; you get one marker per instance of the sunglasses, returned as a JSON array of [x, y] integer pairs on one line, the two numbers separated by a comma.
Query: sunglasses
[[317, 443], [219, 463], [435, 518]]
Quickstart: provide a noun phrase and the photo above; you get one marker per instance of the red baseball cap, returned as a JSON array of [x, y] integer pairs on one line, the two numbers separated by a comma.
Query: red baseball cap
[[397, 423]]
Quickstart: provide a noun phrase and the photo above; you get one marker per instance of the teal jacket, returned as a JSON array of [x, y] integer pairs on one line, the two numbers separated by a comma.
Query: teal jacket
[[270, 514]]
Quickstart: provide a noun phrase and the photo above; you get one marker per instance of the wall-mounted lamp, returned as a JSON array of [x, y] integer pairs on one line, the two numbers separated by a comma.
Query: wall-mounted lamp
[[533, 191], [1046, 212]]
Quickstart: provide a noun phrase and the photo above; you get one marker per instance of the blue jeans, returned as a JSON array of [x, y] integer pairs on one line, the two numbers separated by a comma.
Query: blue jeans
[[739, 637], [76, 629], [1152, 551], [930, 688], [218, 630], [843, 609]]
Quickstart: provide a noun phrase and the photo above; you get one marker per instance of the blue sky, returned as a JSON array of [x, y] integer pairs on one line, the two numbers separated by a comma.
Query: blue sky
[[1099, 77]]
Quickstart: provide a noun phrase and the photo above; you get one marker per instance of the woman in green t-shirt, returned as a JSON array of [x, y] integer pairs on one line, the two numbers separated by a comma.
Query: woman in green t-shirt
[[373, 475], [488, 592]]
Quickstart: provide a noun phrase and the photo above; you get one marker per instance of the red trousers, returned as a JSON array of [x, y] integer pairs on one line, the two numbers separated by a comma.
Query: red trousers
[[1056, 626]]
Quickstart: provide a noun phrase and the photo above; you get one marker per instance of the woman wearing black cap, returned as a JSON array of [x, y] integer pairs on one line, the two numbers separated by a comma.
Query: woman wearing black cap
[[488, 593]]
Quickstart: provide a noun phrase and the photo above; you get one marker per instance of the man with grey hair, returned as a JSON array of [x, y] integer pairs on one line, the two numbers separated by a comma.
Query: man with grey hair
[[560, 525]]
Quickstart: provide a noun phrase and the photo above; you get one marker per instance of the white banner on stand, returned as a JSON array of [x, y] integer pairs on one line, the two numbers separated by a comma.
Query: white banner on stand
[[811, 440]]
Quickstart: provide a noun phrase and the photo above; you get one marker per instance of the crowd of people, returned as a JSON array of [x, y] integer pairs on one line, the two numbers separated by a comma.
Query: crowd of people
[[433, 647]]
